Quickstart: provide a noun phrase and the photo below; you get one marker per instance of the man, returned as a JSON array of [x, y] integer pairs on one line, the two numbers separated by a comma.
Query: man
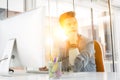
[[78, 52]]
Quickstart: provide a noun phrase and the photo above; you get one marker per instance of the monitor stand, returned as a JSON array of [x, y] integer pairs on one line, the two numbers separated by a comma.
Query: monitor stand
[[6, 57], [10, 57]]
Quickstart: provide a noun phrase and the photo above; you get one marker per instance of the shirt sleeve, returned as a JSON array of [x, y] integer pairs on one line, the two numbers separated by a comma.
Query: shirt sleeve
[[83, 58]]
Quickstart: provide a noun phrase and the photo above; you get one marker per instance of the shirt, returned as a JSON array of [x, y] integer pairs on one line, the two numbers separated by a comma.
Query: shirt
[[84, 61]]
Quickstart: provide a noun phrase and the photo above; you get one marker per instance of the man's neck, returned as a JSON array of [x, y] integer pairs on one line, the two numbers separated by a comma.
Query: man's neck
[[74, 39]]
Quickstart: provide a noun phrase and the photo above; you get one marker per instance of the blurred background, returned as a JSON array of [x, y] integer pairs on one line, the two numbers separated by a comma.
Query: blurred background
[[97, 19]]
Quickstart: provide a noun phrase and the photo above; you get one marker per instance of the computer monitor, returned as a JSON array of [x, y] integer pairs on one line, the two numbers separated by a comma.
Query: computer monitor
[[28, 30]]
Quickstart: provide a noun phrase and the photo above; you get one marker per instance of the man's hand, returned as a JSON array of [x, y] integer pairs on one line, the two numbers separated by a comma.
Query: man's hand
[[43, 68]]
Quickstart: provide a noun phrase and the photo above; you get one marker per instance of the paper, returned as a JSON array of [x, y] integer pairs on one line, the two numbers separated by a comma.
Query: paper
[[72, 55]]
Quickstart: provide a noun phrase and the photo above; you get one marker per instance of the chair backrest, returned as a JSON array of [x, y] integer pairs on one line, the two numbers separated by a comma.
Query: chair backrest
[[98, 57]]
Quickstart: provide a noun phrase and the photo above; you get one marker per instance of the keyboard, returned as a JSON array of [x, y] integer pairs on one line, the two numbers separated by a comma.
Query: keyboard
[[37, 72]]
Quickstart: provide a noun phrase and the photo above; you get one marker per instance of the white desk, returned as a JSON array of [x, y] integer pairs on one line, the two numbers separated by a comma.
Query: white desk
[[69, 76]]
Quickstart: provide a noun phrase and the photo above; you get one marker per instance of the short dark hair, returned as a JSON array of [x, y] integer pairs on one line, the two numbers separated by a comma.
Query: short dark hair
[[66, 15]]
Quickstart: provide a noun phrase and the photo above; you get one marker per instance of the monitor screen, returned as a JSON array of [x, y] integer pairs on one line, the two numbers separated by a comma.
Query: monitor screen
[[28, 30]]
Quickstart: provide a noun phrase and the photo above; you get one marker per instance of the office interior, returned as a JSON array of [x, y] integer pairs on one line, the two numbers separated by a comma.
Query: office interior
[[97, 19]]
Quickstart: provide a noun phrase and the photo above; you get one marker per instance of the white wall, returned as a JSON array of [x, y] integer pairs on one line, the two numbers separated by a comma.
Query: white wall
[[20, 5], [30, 4], [13, 5], [3, 4], [16, 5]]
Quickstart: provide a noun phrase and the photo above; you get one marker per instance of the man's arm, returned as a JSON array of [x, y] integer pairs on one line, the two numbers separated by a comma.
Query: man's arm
[[83, 58]]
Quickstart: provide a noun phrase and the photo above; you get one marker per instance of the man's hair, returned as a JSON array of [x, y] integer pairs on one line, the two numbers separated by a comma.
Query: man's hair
[[65, 16]]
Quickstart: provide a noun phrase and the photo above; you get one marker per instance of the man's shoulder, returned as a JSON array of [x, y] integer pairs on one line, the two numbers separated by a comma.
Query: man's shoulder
[[85, 39], [85, 42]]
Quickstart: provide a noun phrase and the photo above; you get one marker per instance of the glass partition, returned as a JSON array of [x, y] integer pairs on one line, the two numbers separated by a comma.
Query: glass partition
[[93, 20], [102, 28], [116, 39]]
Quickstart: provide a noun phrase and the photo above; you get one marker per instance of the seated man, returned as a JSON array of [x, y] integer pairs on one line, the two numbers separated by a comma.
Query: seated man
[[77, 53]]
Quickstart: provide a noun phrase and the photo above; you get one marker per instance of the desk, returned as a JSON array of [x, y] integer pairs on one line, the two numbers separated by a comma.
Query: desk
[[68, 76]]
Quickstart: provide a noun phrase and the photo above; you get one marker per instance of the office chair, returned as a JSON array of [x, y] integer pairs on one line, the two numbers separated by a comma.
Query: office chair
[[98, 57]]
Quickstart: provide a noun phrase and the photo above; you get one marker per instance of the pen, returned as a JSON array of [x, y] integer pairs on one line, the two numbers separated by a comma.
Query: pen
[[54, 59]]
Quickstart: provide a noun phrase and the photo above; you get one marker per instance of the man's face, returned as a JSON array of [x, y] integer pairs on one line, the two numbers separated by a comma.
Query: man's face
[[70, 25]]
